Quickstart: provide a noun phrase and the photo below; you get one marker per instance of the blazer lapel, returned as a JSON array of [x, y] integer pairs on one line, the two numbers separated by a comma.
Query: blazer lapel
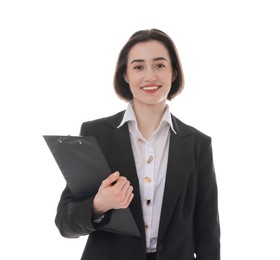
[[180, 165], [118, 151]]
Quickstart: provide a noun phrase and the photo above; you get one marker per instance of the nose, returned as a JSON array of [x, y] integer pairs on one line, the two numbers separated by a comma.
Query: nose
[[150, 75]]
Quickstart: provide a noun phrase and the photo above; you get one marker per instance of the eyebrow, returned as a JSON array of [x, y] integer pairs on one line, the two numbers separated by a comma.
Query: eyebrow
[[155, 59]]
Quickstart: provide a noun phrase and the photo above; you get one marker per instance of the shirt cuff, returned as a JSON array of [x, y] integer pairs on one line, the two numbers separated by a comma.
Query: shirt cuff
[[99, 219]]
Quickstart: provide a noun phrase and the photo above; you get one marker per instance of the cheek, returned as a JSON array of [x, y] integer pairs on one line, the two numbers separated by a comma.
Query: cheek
[[168, 80], [133, 86], [130, 77], [134, 81]]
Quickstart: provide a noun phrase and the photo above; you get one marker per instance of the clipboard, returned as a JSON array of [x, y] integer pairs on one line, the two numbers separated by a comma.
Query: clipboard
[[84, 167]]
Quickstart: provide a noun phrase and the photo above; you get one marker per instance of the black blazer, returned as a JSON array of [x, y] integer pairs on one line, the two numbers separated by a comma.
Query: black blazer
[[189, 225]]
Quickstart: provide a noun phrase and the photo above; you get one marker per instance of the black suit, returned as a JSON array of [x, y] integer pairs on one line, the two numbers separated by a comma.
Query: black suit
[[189, 220]]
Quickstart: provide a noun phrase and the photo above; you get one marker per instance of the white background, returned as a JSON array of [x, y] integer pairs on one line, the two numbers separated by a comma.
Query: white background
[[57, 61]]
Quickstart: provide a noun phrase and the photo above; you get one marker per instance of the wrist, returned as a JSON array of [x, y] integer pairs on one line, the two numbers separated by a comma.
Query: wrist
[[98, 210]]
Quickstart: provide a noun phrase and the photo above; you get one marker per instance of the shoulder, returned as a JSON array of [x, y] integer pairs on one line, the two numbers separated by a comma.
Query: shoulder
[[190, 133], [184, 130], [105, 124]]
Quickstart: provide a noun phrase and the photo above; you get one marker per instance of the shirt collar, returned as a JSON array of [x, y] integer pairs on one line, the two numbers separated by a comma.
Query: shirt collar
[[129, 115]]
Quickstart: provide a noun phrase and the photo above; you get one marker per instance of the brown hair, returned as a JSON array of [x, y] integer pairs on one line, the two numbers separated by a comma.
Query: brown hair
[[121, 86]]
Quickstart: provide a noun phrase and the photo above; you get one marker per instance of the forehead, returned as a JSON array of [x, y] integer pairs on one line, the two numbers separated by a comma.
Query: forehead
[[148, 50]]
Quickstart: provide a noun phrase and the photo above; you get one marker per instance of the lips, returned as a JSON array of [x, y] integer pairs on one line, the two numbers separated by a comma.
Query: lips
[[150, 88]]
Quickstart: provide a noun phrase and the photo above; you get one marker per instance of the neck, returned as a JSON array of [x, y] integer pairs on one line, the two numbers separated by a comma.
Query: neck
[[148, 117]]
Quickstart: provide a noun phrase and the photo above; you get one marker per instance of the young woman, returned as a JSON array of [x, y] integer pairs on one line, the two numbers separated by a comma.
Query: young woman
[[162, 169]]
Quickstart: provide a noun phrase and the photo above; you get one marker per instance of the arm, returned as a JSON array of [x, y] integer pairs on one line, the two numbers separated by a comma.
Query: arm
[[206, 219], [75, 218]]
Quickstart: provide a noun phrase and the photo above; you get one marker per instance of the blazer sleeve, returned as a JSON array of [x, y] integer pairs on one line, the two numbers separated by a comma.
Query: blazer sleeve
[[206, 218], [74, 217]]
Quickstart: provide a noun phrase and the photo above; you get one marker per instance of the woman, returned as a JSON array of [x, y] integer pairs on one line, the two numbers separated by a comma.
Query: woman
[[162, 169]]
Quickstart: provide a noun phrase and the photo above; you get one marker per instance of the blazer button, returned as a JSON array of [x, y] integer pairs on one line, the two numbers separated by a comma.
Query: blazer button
[[159, 248]]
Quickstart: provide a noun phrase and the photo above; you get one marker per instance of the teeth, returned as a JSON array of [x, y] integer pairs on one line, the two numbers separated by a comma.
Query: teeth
[[150, 88]]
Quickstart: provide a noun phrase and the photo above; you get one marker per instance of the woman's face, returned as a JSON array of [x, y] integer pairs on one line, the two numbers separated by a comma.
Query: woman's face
[[149, 73]]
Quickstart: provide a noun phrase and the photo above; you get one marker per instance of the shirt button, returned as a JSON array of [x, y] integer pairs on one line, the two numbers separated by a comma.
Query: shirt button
[[148, 201], [140, 140], [150, 159], [148, 179], [146, 226]]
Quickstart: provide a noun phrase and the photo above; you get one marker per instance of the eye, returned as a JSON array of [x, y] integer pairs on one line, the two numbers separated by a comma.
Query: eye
[[160, 66], [138, 67]]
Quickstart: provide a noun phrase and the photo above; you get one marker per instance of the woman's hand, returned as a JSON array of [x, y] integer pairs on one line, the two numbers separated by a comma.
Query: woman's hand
[[115, 192]]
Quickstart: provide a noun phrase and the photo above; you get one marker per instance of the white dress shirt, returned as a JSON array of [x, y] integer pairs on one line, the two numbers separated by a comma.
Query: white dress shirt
[[151, 157]]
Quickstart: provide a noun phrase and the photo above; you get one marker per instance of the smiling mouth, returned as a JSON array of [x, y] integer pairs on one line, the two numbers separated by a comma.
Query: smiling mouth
[[150, 89]]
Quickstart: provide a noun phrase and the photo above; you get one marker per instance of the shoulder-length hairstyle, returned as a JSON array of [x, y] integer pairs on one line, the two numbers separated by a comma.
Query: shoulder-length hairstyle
[[121, 86]]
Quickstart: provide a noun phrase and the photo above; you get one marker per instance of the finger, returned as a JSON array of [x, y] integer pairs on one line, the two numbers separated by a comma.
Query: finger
[[127, 189], [128, 195], [126, 201], [111, 179], [130, 198], [120, 183]]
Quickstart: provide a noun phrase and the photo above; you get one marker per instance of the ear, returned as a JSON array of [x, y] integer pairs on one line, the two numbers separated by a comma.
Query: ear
[[174, 75], [125, 78]]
